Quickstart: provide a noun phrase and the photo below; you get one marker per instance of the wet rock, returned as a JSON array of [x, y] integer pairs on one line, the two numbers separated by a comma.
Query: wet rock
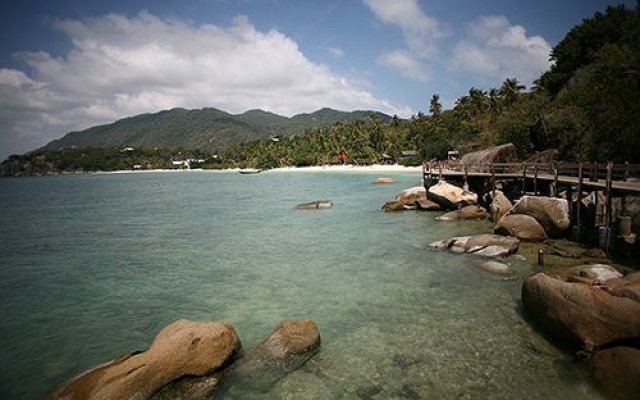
[[287, 348], [183, 348], [383, 181], [599, 272], [427, 205], [584, 315], [617, 372], [408, 197], [468, 212], [595, 253], [393, 205], [487, 245], [552, 213], [522, 226], [495, 267], [315, 205], [451, 197]]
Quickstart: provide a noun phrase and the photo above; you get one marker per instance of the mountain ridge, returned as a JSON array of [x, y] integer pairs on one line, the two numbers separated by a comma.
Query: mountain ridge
[[205, 129]]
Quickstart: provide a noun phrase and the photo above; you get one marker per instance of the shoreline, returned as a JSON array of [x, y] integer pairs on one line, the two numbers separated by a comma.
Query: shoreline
[[375, 168]]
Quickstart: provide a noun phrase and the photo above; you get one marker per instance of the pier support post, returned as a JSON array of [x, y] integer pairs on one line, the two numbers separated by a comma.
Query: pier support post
[[535, 180], [554, 165], [579, 204]]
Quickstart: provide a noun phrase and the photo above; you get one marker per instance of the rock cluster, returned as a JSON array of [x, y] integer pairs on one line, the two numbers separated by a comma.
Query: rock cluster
[[487, 245], [188, 360], [598, 312]]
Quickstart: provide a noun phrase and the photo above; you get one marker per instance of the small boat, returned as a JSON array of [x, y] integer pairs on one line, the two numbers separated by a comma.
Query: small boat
[[250, 171]]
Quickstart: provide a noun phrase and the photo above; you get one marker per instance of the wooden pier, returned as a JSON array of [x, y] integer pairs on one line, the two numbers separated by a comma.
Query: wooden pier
[[605, 183]]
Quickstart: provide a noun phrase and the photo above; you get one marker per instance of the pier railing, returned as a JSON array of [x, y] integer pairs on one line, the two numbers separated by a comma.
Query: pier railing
[[588, 171]]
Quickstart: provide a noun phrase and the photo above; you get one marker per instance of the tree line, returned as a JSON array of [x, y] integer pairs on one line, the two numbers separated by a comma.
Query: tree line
[[586, 107]]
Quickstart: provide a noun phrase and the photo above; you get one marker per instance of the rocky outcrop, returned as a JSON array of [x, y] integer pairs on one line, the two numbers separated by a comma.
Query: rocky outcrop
[[552, 213], [584, 315], [617, 372], [183, 348], [505, 153], [427, 205], [486, 245], [468, 212], [287, 348], [522, 226], [628, 287], [500, 205], [408, 197], [451, 197], [383, 181], [393, 205], [315, 205]]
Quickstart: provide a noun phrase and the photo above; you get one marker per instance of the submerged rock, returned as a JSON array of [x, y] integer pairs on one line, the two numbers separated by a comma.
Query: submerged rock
[[617, 372], [183, 348], [522, 226], [495, 267], [584, 315], [383, 180], [315, 205], [451, 197], [288, 347]]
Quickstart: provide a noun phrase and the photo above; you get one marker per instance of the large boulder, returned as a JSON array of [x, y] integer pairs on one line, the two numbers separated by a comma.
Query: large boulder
[[467, 212], [617, 372], [629, 286], [552, 213], [584, 315], [500, 205], [479, 160], [182, 349], [410, 196], [288, 347], [522, 226], [486, 245], [451, 197]]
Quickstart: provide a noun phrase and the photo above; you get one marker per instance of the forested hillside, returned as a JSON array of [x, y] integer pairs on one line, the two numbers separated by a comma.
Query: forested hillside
[[586, 107]]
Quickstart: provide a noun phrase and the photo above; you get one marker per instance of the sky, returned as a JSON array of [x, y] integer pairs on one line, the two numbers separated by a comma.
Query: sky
[[68, 65]]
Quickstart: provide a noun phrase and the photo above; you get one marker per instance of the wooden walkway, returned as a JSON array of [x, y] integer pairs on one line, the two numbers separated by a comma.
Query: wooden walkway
[[619, 178]]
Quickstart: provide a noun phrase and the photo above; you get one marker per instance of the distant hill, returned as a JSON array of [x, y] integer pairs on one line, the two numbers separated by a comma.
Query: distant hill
[[206, 129]]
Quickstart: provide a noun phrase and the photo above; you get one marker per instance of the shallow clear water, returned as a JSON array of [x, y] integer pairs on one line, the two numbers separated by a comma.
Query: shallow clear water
[[92, 266]]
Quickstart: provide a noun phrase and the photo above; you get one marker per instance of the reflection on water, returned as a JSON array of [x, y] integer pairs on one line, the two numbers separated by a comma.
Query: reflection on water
[[94, 266]]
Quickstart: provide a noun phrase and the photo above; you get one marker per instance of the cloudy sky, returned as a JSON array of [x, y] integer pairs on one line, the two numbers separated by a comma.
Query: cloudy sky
[[71, 64]]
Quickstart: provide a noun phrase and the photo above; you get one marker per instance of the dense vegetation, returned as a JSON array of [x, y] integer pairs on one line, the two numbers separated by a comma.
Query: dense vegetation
[[586, 107]]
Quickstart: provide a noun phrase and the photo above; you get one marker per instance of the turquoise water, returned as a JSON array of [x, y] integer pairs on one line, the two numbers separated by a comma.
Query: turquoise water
[[92, 266]]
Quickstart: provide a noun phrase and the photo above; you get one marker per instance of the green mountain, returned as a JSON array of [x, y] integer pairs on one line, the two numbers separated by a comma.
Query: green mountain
[[205, 129]]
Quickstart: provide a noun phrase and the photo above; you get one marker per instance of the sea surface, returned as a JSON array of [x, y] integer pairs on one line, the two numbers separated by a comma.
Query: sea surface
[[93, 266]]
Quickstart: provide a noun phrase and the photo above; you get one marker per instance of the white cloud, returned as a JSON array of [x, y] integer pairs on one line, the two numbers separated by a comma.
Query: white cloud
[[336, 51], [420, 30], [404, 62], [120, 66], [495, 50]]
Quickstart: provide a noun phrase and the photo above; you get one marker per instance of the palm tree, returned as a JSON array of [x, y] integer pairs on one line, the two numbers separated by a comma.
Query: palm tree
[[511, 90], [435, 108]]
